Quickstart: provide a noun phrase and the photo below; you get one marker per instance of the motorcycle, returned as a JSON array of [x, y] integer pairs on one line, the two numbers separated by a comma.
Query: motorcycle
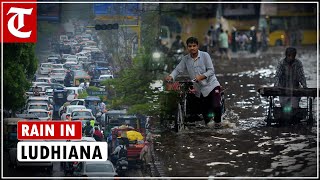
[[122, 166], [177, 56]]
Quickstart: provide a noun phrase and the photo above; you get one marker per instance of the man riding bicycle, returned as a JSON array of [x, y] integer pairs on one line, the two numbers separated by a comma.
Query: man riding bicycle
[[199, 66]]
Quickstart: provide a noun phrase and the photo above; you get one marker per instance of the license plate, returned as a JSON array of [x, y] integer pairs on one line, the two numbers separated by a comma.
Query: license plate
[[124, 167]]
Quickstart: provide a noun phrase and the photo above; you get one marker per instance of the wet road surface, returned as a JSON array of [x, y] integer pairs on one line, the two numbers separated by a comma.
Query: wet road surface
[[245, 146]]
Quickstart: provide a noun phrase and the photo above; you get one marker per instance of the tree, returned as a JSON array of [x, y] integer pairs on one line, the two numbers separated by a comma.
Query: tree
[[19, 67]]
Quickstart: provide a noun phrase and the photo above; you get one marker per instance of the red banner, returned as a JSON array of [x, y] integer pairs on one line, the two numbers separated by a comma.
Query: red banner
[[19, 21], [49, 130]]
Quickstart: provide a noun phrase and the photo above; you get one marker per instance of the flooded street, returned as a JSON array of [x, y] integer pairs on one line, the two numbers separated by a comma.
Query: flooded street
[[248, 149]]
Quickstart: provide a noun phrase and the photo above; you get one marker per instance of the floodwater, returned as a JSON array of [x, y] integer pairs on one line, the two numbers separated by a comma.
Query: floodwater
[[245, 147]]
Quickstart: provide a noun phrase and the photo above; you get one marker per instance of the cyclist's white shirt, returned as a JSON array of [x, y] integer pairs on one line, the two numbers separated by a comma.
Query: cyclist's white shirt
[[202, 65]]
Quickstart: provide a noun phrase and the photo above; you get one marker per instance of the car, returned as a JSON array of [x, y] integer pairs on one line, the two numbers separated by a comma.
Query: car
[[105, 76], [58, 75], [49, 92], [73, 92], [41, 90], [52, 85], [57, 66], [82, 114], [46, 79], [40, 113], [95, 169], [38, 99], [66, 114], [45, 68], [53, 60], [13, 161], [67, 65], [72, 58], [83, 59], [43, 106]]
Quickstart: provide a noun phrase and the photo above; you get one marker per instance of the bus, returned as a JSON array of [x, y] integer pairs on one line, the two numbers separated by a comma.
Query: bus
[[290, 24]]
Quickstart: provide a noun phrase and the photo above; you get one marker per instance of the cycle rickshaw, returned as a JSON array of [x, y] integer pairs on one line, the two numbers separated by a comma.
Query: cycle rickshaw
[[284, 115], [188, 108]]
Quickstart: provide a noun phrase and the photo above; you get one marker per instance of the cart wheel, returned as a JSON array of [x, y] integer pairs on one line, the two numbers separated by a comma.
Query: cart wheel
[[269, 116], [310, 115], [179, 125], [223, 107]]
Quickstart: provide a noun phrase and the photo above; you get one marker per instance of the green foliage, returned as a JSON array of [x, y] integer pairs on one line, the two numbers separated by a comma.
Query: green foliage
[[20, 65], [131, 88], [82, 95]]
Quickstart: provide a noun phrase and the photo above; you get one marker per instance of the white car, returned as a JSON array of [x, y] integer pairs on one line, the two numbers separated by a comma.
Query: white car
[[72, 58], [82, 59], [58, 75], [53, 59], [40, 113], [46, 80], [43, 106], [73, 92], [45, 68], [57, 66], [82, 114], [38, 99], [66, 114], [105, 76]]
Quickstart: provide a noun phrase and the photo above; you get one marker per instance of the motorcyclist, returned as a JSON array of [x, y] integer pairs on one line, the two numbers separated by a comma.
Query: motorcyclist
[[67, 79], [36, 91], [97, 135], [177, 44], [88, 130], [119, 152]]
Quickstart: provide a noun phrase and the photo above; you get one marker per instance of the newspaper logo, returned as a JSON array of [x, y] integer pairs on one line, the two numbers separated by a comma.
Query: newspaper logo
[[20, 22]]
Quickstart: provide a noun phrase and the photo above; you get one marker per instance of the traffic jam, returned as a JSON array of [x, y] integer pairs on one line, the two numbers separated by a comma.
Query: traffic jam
[[59, 93]]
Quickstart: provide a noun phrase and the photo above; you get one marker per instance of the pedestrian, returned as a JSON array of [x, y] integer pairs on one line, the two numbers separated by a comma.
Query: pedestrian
[[290, 75], [223, 45], [102, 107], [213, 38], [200, 68], [234, 40], [259, 39], [253, 35], [97, 135]]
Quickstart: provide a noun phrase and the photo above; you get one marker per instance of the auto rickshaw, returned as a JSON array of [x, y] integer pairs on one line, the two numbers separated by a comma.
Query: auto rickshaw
[[10, 132], [59, 98]]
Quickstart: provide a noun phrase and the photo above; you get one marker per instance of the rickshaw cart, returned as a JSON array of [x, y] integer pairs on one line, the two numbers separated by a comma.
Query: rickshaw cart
[[277, 114], [189, 108], [133, 147]]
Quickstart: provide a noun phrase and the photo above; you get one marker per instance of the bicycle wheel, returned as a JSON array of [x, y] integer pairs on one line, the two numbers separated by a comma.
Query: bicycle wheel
[[179, 119], [310, 114], [269, 115]]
